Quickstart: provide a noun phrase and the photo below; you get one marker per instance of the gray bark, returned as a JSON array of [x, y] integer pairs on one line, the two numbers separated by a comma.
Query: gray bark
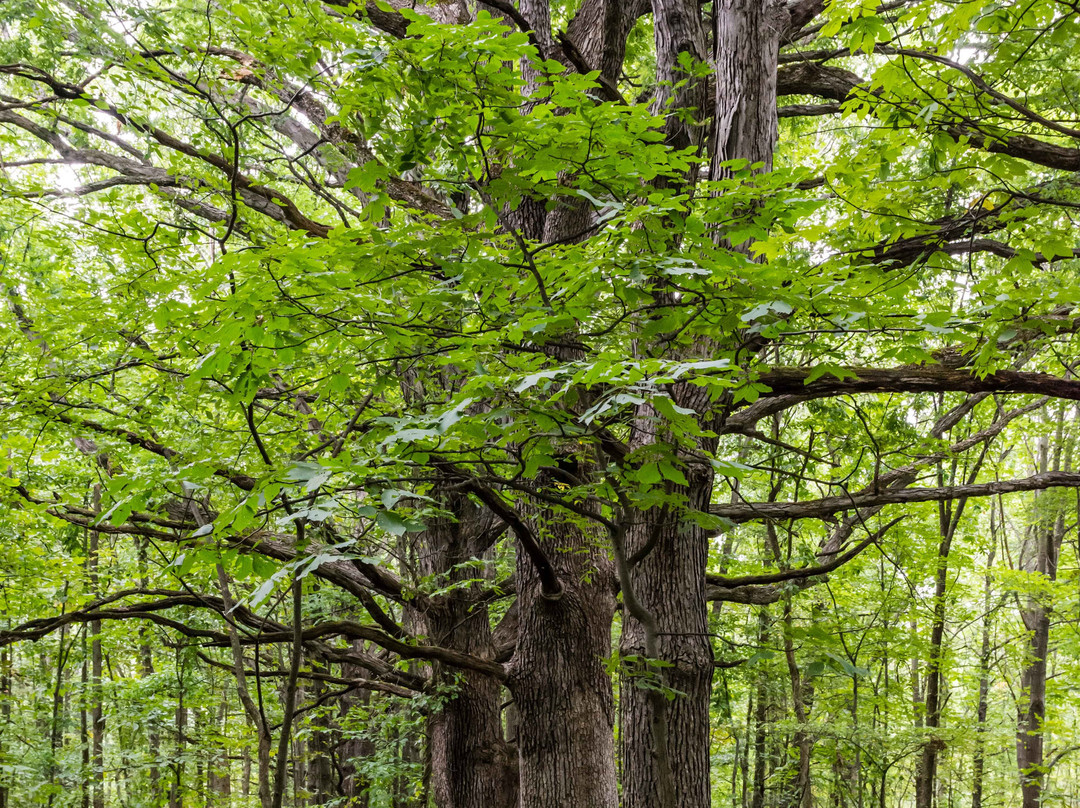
[[670, 583], [1045, 547], [558, 677], [471, 764], [97, 716]]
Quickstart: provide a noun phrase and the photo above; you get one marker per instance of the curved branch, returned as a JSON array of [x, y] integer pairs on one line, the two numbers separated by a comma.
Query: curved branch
[[802, 572], [550, 586], [766, 588]]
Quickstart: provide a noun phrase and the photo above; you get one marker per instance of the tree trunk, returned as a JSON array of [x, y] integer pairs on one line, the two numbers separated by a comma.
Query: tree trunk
[[949, 514], [251, 709], [471, 764], [146, 663], [84, 727], [405, 789], [97, 717], [856, 763], [744, 761], [669, 582], [219, 779], [747, 47], [291, 688], [761, 714], [349, 747], [245, 775], [558, 676], [176, 787], [926, 773], [5, 716], [352, 786], [1047, 538], [669, 579], [320, 770], [799, 791], [56, 727], [201, 777], [984, 676], [1029, 735]]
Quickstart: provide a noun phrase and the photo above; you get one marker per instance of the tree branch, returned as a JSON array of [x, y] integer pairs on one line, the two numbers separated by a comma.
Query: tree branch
[[827, 506], [913, 379]]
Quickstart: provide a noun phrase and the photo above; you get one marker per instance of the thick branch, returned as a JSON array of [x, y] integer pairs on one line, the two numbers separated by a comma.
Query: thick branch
[[826, 506], [914, 379]]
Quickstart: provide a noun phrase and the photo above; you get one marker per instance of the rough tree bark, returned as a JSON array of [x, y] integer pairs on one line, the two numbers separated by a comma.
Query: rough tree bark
[[669, 577], [671, 551], [471, 764], [748, 34], [558, 676]]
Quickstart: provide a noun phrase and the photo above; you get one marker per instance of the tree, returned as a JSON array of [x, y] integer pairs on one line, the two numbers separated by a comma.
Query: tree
[[430, 351]]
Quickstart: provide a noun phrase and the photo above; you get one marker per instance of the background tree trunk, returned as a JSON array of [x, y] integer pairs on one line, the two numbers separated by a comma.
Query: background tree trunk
[[761, 715], [978, 761], [5, 717], [1047, 536], [350, 749], [471, 764], [320, 768], [56, 725], [146, 663], [799, 790], [176, 787], [97, 715], [84, 728], [926, 773]]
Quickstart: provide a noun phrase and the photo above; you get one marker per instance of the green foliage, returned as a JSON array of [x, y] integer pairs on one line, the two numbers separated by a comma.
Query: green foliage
[[265, 353]]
